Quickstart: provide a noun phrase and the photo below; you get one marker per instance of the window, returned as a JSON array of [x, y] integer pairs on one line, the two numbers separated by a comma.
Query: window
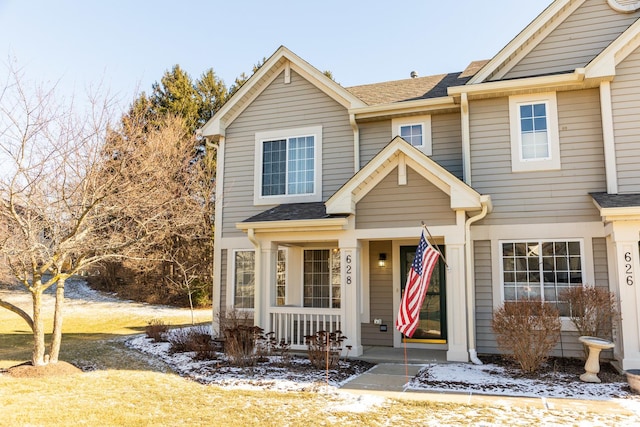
[[288, 165], [322, 278], [415, 130], [244, 279], [534, 133], [541, 270], [281, 278]]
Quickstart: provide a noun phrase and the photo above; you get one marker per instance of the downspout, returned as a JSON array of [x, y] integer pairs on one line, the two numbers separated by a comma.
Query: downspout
[[257, 287], [356, 143], [471, 302]]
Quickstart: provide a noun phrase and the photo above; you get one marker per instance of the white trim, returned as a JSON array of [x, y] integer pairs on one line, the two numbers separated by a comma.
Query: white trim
[[624, 6], [231, 278], [424, 122], [608, 137], [260, 138], [552, 162]]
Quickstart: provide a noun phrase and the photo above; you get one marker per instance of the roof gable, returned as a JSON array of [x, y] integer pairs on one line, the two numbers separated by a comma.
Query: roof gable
[[526, 40], [283, 60], [399, 153]]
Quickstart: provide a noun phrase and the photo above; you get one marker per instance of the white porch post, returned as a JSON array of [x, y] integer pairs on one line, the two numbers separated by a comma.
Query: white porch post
[[626, 284], [265, 286], [456, 304], [350, 302]]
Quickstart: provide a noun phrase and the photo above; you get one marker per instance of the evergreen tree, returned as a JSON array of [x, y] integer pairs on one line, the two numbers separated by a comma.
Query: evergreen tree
[[211, 94], [175, 95]]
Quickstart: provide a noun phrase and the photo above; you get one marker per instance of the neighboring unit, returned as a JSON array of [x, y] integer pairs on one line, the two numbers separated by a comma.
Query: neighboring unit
[[524, 168]]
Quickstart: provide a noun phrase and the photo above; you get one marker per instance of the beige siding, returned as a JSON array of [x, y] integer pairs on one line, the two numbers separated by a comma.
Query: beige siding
[[380, 297], [575, 42], [446, 139], [625, 93], [374, 136], [544, 196], [223, 278], [283, 106], [485, 338], [446, 135], [600, 263], [393, 205]]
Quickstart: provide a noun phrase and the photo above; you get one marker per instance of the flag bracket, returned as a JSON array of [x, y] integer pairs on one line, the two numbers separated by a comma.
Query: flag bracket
[[431, 240]]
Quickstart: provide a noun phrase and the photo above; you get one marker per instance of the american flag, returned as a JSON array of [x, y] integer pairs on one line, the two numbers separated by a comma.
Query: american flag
[[416, 289]]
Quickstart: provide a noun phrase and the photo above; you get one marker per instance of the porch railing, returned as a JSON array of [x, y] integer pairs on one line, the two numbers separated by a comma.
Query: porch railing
[[294, 323]]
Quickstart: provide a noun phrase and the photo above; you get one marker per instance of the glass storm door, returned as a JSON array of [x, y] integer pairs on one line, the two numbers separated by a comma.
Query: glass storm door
[[433, 326]]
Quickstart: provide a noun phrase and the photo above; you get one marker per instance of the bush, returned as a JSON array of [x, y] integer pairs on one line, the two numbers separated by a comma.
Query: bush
[[196, 339], [324, 348], [244, 345], [593, 311], [156, 329], [527, 331], [280, 349]]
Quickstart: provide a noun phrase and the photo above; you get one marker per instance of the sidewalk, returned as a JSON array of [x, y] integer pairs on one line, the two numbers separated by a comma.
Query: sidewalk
[[389, 379]]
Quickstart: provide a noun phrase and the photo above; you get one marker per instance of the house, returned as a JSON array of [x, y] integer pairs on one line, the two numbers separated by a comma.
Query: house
[[525, 168]]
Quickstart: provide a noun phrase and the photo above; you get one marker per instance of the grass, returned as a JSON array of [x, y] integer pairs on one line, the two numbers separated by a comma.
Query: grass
[[125, 387]]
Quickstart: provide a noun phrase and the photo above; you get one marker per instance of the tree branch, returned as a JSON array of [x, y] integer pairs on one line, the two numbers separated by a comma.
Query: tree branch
[[17, 310]]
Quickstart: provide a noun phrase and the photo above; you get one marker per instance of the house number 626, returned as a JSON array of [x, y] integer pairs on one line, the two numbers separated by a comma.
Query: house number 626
[[628, 268]]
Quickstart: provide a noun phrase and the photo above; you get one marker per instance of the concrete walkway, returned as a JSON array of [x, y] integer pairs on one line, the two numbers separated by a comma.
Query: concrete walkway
[[389, 380]]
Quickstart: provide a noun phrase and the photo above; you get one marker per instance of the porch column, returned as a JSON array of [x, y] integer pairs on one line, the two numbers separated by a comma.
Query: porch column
[[265, 285], [350, 302], [456, 304], [625, 280]]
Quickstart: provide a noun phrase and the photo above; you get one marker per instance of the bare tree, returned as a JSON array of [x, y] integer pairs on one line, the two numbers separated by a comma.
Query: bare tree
[[76, 190]]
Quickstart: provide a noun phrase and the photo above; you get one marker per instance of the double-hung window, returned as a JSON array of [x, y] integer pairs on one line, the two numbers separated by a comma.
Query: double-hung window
[[541, 270], [534, 132], [287, 166], [244, 279], [322, 278]]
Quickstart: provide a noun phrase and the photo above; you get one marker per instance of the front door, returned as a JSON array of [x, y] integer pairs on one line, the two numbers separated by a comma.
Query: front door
[[433, 326]]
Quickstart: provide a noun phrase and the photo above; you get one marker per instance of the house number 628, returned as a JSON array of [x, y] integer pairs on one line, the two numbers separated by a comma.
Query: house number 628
[[628, 268], [348, 269]]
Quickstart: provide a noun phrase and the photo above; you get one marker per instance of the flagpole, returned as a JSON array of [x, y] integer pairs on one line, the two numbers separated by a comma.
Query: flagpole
[[435, 246]]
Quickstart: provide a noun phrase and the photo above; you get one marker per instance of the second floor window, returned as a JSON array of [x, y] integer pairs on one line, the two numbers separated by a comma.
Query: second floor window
[[533, 131], [288, 166], [412, 134]]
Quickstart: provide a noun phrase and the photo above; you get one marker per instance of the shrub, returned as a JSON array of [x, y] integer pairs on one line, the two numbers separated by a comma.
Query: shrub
[[527, 331], [323, 348], [156, 330], [197, 339], [593, 311], [280, 349], [243, 344]]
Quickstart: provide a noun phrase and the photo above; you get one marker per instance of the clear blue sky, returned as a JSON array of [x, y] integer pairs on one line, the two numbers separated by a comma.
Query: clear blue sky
[[129, 44]]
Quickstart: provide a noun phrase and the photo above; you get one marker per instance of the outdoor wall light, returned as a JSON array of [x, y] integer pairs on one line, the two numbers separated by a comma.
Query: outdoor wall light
[[382, 260]]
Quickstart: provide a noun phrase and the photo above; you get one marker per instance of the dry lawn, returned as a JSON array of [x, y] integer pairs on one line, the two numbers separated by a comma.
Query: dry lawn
[[126, 388]]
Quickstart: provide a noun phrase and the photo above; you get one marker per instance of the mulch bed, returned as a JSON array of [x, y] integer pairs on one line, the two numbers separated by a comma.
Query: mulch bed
[[27, 370]]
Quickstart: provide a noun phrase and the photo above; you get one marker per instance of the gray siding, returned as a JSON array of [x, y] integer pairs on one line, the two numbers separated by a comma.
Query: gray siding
[[283, 106], [625, 93], [600, 263], [223, 278], [544, 196], [485, 339], [374, 136], [380, 297], [393, 205], [597, 26], [446, 135]]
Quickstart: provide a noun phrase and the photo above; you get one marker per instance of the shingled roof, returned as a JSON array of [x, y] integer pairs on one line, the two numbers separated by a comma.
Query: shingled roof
[[606, 201], [415, 88], [294, 211]]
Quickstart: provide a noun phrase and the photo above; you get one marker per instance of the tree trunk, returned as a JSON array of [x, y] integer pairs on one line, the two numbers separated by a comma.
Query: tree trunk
[[38, 356], [56, 338]]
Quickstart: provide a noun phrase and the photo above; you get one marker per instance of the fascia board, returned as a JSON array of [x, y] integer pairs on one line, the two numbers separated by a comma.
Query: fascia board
[[422, 106], [504, 87], [534, 29], [325, 224], [605, 63]]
